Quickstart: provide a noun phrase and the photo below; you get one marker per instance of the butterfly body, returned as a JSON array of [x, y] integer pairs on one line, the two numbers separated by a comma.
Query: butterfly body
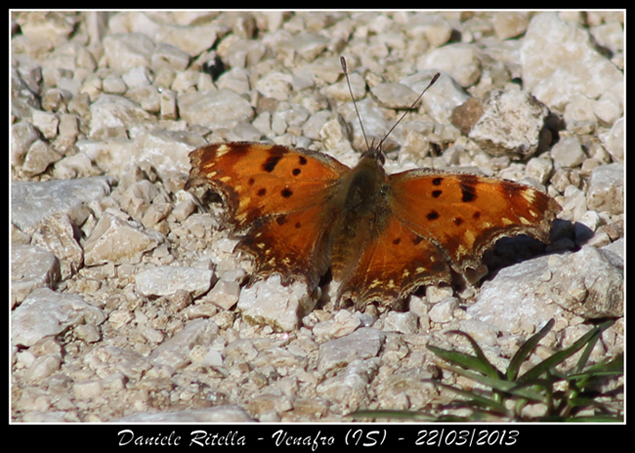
[[301, 212], [362, 211]]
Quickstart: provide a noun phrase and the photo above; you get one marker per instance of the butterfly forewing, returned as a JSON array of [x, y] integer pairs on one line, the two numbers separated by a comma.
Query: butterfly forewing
[[259, 180]]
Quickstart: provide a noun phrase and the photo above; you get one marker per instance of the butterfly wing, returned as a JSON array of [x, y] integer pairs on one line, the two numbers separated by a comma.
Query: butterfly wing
[[276, 197], [392, 265], [466, 214], [437, 221]]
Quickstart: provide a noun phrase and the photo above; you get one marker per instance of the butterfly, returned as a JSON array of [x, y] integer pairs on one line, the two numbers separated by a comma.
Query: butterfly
[[300, 213]]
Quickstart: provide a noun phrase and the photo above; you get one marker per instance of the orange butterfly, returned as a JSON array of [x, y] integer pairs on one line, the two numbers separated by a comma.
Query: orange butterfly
[[302, 212]]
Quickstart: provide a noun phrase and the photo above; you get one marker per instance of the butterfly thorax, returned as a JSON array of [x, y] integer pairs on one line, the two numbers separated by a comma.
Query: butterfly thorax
[[364, 187]]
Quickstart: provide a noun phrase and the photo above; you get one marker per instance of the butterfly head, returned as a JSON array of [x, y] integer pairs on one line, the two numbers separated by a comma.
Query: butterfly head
[[375, 152]]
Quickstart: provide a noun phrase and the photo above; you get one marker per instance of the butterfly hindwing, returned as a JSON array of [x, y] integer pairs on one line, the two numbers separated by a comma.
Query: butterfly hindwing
[[393, 264]]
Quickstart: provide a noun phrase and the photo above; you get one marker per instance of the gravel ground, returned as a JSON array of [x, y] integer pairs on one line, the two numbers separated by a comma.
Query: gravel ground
[[127, 303]]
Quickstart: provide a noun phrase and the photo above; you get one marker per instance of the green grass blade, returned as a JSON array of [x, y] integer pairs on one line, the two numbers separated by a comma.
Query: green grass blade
[[473, 397], [391, 414], [525, 350], [595, 419], [500, 385], [613, 367], [496, 391], [560, 356], [478, 362], [461, 359], [487, 367], [587, 352]]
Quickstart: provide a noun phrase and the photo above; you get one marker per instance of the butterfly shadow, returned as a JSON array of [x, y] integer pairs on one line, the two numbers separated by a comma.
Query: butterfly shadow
[[507, 251]]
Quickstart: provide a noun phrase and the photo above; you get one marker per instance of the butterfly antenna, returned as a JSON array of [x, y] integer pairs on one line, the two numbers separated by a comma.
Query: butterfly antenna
[[434, 79], [370, 149], [359, 117]]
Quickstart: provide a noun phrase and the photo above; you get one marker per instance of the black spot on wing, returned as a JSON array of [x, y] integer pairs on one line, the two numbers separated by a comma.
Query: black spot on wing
[[271, 162], [468, 188]]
